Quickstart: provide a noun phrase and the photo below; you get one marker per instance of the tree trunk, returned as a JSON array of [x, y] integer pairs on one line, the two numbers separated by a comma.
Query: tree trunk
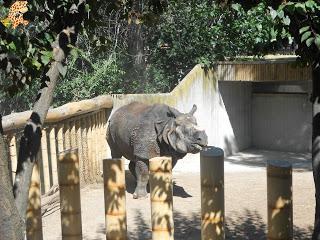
[[136, 63], [11, 224], [316, 146], [31, 138]]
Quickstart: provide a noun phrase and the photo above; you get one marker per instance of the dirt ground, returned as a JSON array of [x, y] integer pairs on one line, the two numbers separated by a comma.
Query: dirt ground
[[245, 208]]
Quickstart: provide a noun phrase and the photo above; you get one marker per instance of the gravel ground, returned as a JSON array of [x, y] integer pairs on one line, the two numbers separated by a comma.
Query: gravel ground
[[245, 203]]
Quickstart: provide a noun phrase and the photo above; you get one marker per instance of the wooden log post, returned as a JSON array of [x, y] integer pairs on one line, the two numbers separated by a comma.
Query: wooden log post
[[94, 146], [161, 198], [90, 149], [115, 199], [33, 217], [60, 134], [80, 149], [70, 206], [13, 156], [212, 193], [101, 141], [66, 135], [279, 190], [53, 155], [73, 136], [45, 161], [84, 146]]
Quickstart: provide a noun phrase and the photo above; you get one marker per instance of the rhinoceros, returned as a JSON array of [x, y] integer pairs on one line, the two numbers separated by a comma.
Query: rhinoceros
[[140, 132]]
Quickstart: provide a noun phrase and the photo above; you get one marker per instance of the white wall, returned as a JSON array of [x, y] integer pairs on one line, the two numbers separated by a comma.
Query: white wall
[[233, 117], [282, 122], [237, 99]]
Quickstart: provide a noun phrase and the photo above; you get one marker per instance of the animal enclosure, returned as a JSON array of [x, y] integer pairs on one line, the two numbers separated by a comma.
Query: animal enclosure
[[162, 225]]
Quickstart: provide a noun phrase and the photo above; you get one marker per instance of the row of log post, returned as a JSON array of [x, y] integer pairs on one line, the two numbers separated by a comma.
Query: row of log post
[[279, 190]]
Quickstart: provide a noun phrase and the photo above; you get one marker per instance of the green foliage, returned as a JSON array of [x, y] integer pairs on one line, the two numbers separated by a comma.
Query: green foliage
[[23, 100], [193, 32], [105, 77], [26, 52], [300, 21]]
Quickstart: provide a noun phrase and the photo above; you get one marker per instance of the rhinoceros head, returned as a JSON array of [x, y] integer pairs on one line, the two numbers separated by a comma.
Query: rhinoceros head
[[183, 134]]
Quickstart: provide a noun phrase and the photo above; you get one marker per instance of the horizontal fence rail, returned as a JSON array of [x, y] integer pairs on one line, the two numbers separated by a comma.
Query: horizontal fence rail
[[80, 125]]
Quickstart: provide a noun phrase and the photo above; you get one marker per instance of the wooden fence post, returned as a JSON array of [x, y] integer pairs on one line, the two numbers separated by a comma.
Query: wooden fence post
[[161, 198], [13, 155], [279, 190], [53, 155], [212, 193], [85, 150], [45, 161], [90, 149], [94, 146], [70, 205], [33, 217], [115, 199]]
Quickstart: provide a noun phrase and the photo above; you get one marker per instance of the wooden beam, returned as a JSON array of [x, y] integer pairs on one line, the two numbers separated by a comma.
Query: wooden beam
[[69, 110]]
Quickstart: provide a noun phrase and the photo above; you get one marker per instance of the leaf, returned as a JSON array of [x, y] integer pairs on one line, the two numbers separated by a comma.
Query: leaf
[[317, 41], [273, 13], [301, 8], [36, 63], [62, 69], [302, 30], [12, 46], [48, 37], [305, 36], [236, 6], [311, 4], [273, 34], [280, 14], [45, 59], [47, 53], [286, 21], [309, 41]]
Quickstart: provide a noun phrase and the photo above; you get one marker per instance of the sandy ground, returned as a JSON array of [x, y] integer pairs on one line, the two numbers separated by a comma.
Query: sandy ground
[[245, 202]]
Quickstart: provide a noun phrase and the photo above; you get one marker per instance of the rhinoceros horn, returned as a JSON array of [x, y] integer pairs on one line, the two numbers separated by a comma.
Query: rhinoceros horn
[[193, 110]]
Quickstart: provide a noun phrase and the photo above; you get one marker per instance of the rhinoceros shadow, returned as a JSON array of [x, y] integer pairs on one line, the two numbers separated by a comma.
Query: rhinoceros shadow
[[178, 191]]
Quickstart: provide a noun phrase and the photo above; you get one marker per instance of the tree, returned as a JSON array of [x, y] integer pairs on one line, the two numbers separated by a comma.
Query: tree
[[299, 21], [35, 52]]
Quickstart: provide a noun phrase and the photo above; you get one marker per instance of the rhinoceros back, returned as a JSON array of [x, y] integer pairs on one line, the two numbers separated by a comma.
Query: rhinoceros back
[[122, 127]]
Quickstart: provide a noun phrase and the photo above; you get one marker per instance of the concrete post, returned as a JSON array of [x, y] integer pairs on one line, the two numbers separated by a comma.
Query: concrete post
[[115, 199], [279, 190], [161, 198], [212, 193], [70, 206]]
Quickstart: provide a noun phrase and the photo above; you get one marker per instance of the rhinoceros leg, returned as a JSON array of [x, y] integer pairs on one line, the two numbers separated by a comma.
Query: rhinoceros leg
[[132, 168], [142, 173]]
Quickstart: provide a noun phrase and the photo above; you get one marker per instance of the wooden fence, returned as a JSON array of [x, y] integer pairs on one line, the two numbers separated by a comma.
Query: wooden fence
[[80, 125]]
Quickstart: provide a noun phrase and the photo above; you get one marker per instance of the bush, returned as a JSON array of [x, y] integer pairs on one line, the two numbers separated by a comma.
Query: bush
[[104, 77]]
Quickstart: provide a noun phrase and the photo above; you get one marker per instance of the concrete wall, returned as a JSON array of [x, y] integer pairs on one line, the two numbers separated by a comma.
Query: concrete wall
[[282, 122], [234, 117], [237, 99]]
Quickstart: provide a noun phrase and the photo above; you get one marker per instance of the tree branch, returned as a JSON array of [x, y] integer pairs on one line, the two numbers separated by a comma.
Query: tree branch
[[31, 138], [10, 221]]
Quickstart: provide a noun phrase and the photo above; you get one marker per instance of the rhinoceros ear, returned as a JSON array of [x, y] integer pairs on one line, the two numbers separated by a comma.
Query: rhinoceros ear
[[172, 112]]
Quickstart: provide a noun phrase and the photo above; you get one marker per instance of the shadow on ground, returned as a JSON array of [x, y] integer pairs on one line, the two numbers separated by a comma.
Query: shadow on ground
[[178, 191], [247, 225], [259, 158]]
